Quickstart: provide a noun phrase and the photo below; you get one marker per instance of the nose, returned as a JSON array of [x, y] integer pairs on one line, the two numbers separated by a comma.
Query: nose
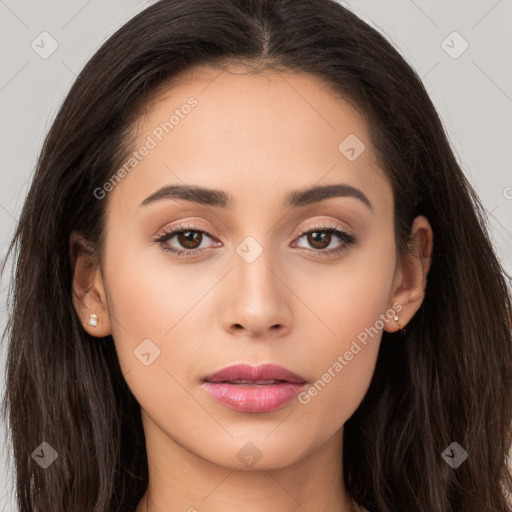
[[258, 299]]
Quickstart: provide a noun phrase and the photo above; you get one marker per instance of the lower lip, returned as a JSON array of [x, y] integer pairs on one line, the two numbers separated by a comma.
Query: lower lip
[[253, 398]]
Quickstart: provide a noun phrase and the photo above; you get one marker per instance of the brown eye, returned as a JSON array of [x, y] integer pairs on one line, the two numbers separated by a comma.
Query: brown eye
[[319, 239], [189, 239], [186, 240]]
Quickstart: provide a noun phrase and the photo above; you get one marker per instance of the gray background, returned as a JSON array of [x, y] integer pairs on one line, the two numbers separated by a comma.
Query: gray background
[[473, 94]]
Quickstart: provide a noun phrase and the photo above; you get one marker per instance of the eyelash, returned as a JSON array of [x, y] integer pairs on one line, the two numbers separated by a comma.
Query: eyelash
[[347, 239]]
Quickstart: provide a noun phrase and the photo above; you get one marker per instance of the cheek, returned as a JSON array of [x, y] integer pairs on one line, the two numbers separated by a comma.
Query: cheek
[[143, 303], [344, 300], [156, 309], [154, 338], [345, 333], [150, 295]]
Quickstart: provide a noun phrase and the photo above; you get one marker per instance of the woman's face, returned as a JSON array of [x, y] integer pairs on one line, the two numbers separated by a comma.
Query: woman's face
[[247, 286]]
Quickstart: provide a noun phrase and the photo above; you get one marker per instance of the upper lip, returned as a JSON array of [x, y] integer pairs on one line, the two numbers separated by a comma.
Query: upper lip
[[255, 373]]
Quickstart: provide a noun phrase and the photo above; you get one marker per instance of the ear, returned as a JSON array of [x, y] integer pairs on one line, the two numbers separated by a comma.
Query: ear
[[87, 286], [410, 280]]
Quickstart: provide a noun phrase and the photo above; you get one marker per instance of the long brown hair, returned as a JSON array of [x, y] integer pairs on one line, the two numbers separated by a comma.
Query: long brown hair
[[448, 379]]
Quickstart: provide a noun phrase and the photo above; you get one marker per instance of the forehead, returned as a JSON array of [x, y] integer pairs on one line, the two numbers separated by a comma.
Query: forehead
[[258, 132], [237, 97]]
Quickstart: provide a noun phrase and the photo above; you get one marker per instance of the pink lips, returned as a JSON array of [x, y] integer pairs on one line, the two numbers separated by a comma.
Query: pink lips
[[248, 388]]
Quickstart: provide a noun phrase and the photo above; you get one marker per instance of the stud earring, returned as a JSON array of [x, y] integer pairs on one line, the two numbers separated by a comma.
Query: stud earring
[[93, 320], [395, 318]]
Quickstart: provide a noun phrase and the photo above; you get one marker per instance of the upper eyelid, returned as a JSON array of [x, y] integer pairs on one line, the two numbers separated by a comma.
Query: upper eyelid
[[324, 226], [193, 226]]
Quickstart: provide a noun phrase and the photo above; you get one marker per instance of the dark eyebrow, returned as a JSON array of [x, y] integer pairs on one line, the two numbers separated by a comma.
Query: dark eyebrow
[[193, 194], [316, 194], [221, 199]]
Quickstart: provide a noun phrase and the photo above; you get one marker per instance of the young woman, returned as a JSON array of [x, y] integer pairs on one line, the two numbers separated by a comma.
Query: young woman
[[252, 276]]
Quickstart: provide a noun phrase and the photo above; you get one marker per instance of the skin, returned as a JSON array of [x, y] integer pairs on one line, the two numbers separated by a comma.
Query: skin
[[257, 137]]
